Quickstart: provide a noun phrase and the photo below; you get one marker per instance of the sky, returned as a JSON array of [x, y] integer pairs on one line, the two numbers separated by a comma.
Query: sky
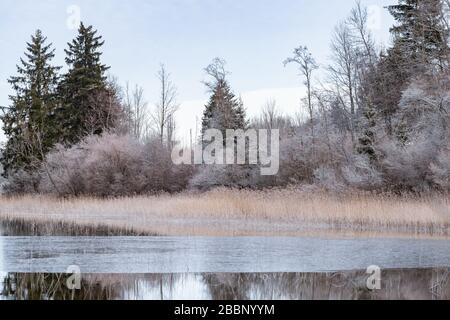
[[253, 36]]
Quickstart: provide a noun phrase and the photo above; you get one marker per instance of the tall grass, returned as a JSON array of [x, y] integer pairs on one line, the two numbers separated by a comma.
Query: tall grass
[[225, 212]]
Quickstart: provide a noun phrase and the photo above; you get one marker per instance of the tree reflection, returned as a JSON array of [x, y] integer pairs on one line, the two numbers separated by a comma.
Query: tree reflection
[[422, 284]]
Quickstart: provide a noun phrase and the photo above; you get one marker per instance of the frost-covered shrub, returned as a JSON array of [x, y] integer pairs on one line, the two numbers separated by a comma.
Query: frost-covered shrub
[[356, 173], [297, 163], [408, 167], [304, 159], [327, 178], [440, 169], [62, 172], [425, 108], [158, 171], [233, 176], [111, 165], [418, 159], [21, 182], [360, 173], [100, 165]]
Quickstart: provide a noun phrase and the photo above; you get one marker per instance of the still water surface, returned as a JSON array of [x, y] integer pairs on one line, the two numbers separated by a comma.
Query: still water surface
[[216, 255], [244, 268]]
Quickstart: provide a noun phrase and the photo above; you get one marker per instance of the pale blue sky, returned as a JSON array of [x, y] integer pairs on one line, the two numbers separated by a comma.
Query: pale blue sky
[[254, 36]]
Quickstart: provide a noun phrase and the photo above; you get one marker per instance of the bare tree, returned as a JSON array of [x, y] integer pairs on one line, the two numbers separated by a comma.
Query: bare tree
[[167, 105], [136, 109], [323, 101], [445, 32], [170, 132], [343, 71], [307, 65], [363, 37], [270, 114], [216, 70]]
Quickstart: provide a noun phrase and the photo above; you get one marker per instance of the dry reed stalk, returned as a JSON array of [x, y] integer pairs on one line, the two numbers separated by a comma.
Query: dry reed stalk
[[226, 212]]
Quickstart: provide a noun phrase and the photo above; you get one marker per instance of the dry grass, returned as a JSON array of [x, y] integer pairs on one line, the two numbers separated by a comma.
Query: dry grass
[[245, 213]]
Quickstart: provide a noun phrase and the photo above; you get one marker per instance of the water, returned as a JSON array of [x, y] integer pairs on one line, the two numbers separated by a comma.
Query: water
[[396, 284], [168, 255], [246, 268]]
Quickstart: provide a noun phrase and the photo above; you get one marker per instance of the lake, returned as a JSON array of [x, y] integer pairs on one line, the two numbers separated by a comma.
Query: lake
[[216, 255], [223, 268]]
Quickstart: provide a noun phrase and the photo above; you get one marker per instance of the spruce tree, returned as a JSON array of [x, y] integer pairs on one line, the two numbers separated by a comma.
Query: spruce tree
[[419, 47], [241, 115], [81, 113], [223, 111], [29, 122], [366, 142], [389, 79], [421, 33]]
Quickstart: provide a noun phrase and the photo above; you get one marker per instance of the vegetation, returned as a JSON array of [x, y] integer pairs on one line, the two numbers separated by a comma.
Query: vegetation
[[377, 122], [225, 212], [29, 122]]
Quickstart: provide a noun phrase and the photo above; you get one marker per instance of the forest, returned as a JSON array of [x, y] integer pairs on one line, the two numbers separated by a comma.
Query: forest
[[378, 121]]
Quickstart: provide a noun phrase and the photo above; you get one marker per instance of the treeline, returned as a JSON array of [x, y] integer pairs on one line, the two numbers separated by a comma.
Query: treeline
[[95, 129], [379, 119]]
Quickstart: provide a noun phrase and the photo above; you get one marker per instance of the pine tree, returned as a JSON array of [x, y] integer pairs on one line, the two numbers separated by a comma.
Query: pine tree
[[85, 83], [29, 123]]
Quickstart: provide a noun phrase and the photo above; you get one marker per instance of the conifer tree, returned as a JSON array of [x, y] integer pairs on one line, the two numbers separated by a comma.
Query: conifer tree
[[419, 47], [366, 142], [29, 123], [85, 91], [421, 33], [223, 111]]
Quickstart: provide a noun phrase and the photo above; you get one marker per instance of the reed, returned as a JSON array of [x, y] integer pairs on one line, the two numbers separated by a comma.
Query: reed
[[225, 212]]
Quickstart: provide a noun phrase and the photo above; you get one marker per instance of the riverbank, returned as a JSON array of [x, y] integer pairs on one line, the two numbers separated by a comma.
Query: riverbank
[[234, 213]]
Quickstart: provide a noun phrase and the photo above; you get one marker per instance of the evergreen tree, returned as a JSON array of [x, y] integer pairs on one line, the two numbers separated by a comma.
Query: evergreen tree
[[241, 115], [419, 47], [84, 89], [29, 123], [387, 82], [421, 33], [223, 111], [366, 141]]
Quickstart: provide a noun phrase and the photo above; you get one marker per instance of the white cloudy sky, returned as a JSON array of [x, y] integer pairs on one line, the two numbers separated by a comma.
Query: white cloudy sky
[[253, 36]]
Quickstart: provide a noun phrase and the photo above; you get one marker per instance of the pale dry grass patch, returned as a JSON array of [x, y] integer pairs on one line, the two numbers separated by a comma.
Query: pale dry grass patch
[[225, 212]]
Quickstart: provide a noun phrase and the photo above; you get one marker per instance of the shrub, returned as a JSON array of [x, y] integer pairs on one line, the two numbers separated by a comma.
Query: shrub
[[111, 165]]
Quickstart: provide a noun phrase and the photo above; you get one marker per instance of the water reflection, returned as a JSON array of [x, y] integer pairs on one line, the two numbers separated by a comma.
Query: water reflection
[[396, 284]]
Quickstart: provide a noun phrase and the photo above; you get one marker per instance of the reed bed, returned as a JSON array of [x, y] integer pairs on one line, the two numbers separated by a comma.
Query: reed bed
[[225, 212]]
